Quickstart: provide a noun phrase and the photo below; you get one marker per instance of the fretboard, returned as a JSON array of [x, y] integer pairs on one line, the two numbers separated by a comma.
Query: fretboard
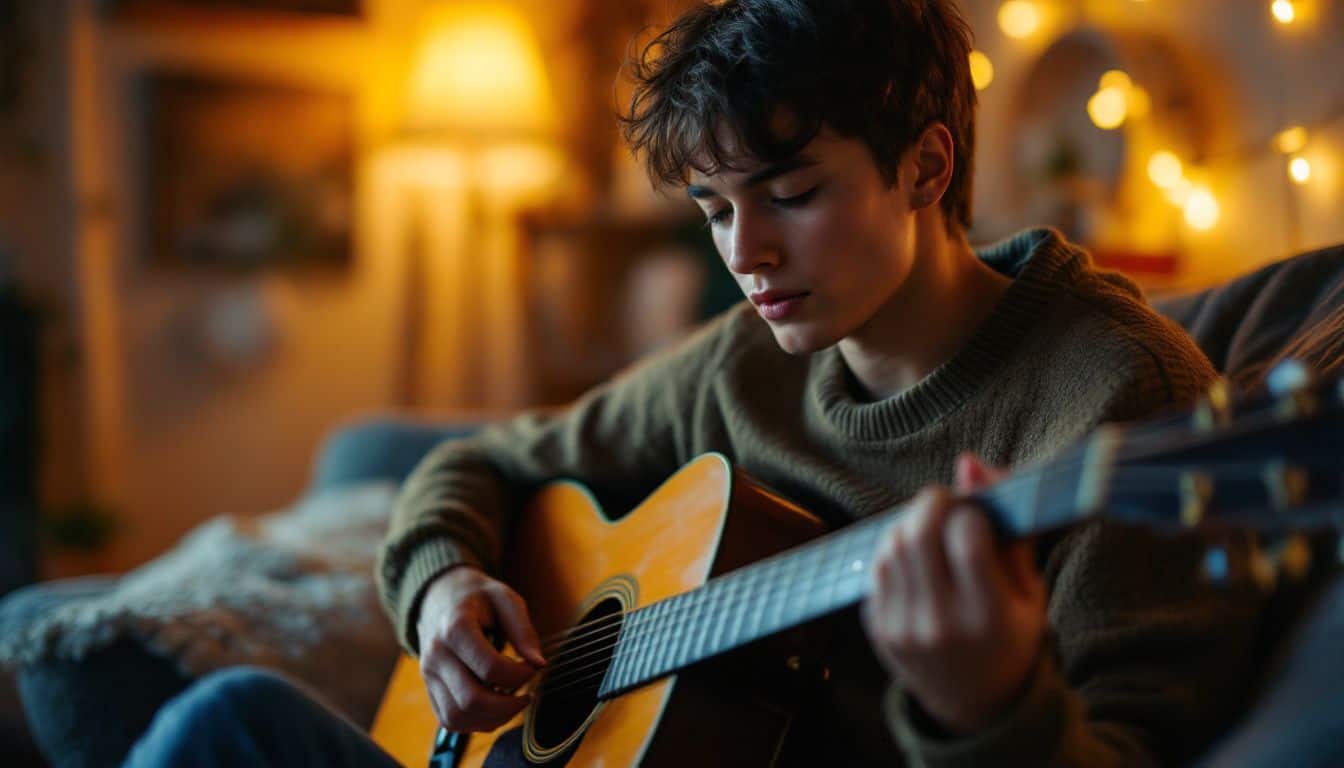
[[818, 578]]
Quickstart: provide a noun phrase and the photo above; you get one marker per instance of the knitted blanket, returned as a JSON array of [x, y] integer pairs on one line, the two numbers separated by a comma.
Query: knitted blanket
[[292, 591]]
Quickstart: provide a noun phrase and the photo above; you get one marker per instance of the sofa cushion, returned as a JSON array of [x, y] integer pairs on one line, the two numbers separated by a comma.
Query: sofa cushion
[[1295, 306]]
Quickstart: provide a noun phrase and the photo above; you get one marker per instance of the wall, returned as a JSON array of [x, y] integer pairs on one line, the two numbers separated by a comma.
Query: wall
[[1256, 77]]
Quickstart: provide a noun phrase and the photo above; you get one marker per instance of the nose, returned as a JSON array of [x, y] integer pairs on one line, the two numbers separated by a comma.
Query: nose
[[751, 245]]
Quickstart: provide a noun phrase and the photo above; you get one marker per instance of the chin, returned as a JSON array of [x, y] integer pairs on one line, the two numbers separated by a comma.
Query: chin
[[801, 340]]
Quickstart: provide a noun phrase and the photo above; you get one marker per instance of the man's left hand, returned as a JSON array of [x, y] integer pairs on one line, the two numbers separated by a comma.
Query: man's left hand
[[956, 617]]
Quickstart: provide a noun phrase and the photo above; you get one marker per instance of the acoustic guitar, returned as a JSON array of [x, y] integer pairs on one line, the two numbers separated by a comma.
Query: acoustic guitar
[[709, 567]]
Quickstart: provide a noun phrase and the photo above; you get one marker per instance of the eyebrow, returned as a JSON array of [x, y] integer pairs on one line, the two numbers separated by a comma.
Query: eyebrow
[[794, 163]]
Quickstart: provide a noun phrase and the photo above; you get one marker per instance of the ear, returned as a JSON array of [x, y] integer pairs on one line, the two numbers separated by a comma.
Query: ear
[[932, 158]]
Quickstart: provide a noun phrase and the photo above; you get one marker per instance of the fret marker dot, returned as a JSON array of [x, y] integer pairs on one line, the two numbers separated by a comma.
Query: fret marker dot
[[856, 566]]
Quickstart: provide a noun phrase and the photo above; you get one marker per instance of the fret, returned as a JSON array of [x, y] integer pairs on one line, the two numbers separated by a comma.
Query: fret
[[639, 620], [671, 633], [676, 631], [778, 593], [699, 622], [743, 592], [832, 560], [619, 671], [657, 637], [807, 586], [647, 637], [721, 615], [759, 596]]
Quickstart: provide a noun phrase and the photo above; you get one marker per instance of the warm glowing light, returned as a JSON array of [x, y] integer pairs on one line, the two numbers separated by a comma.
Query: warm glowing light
[[1283, 11], [479, 75], [1291, 140], [1139, 103], [1019, 18], [1116, 79], [1108, 108], [1164, 168], [1201, 210], [1299, 170], [982, 70], [1181, 191]]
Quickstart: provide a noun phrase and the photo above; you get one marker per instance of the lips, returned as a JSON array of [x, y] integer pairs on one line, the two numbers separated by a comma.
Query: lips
[[778, 305]]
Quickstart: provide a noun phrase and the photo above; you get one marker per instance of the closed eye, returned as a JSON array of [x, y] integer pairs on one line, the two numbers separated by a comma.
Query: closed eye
[[718, 217], [796, 200]]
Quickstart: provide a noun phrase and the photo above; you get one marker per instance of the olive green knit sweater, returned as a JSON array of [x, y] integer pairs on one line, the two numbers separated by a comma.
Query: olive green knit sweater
[[1145, 663]]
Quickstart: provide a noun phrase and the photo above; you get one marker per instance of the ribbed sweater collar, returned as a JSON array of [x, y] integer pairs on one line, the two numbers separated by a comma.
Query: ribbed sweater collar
[[1041, 262]]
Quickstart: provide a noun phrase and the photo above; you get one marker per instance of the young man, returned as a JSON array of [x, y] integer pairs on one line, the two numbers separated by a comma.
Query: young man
[[829, 144]]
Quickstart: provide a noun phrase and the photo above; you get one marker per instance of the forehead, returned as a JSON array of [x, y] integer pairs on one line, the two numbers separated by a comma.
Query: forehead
[[738, 168]]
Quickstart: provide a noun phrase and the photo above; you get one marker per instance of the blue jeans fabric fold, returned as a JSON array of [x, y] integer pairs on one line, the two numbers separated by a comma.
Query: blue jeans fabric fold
[[249, 716]]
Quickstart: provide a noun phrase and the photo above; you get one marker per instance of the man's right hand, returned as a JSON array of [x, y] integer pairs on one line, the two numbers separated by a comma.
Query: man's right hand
[[470, 682]]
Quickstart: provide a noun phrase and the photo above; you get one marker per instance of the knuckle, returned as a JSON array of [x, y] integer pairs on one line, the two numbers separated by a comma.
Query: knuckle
[[472, 699]]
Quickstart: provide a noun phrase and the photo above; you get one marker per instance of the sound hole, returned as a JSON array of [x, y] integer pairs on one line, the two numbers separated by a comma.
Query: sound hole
[[568, 692]]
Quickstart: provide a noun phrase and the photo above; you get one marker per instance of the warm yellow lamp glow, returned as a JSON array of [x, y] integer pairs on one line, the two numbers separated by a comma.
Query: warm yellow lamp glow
[[982, 70], [1164, 168], [479, 76], [1140, 103], [1179, 193], [1299, 170], [1108, 108], [1283, 11], [1201, 210], [1019, 18], [1291, 140], [1116, 78]]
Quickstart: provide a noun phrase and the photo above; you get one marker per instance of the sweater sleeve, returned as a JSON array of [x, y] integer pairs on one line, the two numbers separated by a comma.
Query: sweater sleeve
[[620, 439], [1149, 661]]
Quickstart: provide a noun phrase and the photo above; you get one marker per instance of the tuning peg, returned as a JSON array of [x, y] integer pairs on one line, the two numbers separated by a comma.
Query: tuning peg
[[1215, 568], [1289, 377], [1292, 382], [1292, 556], [1215, 408], [1287, 484], [1288, 557], [1263, 567], [1196, 493]]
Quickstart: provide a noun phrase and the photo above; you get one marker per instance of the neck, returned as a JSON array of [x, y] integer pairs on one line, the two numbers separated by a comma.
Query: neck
[[946, 297]]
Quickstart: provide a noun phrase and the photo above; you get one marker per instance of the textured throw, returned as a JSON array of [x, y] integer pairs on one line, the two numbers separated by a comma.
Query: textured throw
[[291, 591]]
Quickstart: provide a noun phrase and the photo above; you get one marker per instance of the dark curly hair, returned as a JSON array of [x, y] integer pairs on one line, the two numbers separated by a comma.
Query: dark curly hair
[[775, 72]]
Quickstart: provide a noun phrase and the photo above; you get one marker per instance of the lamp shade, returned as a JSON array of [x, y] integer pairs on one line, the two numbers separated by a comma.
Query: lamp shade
[[478, 76]]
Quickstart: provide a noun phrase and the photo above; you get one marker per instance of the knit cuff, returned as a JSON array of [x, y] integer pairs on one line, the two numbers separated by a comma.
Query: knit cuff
[[430, 559], [1029, 733]]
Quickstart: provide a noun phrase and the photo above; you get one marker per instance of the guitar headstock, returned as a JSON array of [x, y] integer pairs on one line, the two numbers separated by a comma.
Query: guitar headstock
[[1271, 463]]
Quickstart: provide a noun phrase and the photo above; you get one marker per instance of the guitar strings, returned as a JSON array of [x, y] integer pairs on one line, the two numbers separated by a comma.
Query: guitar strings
[[600, 629], [570, 669], [1133, 446]]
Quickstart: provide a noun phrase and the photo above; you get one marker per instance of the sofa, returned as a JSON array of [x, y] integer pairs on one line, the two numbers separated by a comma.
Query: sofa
[[1293, 308]]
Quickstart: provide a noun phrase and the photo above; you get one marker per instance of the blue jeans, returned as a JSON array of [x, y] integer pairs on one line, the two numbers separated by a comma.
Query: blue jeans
[[247, 716]]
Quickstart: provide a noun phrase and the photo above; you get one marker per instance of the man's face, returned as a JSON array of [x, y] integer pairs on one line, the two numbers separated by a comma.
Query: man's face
[[818, 243]]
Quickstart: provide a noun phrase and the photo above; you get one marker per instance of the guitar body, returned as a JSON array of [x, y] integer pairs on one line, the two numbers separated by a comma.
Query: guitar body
[[572, 563]]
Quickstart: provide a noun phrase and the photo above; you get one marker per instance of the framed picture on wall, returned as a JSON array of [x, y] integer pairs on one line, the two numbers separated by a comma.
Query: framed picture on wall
[[240, 175]]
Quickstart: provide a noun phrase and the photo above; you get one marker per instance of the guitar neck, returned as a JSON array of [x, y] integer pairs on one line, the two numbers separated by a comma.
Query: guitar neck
[[827, 575]]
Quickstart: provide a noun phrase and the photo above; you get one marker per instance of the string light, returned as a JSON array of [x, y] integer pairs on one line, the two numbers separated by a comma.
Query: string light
[[982, 70], [1299, 170], [1290, 141], [1180, 192], [1115, 79], [1108, 108], [1164, 168], [1201, 210], [1019, 18], [1118, 99]]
